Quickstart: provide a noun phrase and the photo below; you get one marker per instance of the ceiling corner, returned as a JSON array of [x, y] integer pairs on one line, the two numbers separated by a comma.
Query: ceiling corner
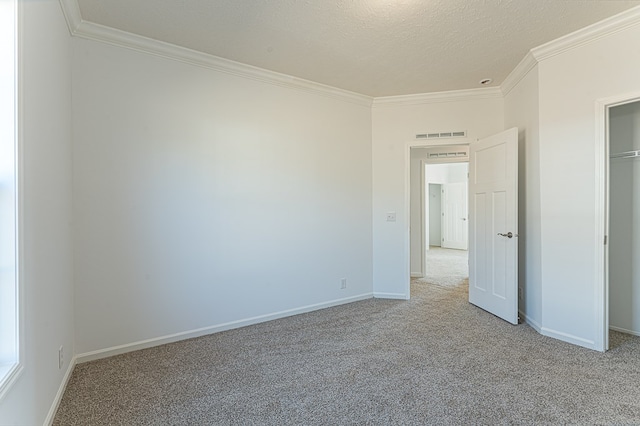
[[436, 97], [519, 72], [619, 22], [72, 14]]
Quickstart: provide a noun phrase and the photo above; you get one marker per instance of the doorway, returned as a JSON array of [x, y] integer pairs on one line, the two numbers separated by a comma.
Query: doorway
[[439, 216], [617, 151], [493, 220], [446, 205]]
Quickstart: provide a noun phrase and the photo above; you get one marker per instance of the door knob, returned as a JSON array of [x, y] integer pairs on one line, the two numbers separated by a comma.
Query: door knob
[[508, 234]]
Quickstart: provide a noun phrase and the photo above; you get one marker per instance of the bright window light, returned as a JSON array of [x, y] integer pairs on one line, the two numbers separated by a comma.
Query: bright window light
[[9, 336]]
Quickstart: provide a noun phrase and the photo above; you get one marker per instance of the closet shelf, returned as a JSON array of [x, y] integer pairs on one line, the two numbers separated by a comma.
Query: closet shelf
[[627, 154]]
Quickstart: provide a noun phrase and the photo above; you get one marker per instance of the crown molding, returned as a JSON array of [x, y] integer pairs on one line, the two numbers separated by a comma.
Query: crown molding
[[519, 72], [576, 39], [437, 97], [96, 32], [72, 14], [627, 19], [88, 30]]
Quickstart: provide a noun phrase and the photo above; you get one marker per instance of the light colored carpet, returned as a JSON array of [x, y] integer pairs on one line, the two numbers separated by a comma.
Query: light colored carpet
[[432, 360], [446, 267]]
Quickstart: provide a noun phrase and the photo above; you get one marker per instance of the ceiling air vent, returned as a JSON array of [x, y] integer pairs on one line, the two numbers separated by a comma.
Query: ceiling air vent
[[441, 135]]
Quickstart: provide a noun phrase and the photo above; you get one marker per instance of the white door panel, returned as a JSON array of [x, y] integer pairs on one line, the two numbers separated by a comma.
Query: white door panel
[[493, 214], [454, 216]]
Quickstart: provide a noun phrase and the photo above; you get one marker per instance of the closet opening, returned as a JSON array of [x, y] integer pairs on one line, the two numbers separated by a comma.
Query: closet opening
[[622, 250]]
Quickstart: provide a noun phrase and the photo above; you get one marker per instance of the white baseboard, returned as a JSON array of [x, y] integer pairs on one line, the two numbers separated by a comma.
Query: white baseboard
[[417, 275], [56, 401], [532, 323], [379, 295], [569, 338], [624, 330], [157, 341]]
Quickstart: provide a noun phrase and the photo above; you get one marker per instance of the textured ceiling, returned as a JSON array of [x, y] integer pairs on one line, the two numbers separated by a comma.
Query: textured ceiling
[[372, 47]]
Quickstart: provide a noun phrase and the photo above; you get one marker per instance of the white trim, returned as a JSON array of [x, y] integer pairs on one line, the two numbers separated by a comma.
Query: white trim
[[423, 219], [625, 331], [569, 338], [81, 28], [532, 323], [406, 273], [170, 338], [436, 97], [104, 34], [397, 296], [20, 221], [601, 279], [423, 264], [576, 39], [71, 11], [586, 35], [519, 72], [12, 371], [58, 398]]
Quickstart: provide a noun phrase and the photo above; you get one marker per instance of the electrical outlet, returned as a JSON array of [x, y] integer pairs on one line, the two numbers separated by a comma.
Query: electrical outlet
[[391, 216], [60, 357], [343, 283]]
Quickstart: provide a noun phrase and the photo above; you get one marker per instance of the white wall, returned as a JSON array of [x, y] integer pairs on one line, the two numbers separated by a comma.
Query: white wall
[[447, 173], [624, 219], [570, 83], [46, 193], [202, 198], [521, 111], [394, 129]]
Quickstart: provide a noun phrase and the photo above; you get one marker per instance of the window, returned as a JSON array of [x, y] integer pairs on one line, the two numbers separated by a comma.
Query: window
[[9, 313]]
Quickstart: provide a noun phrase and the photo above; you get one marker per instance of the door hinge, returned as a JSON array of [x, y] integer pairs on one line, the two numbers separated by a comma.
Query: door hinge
[[605, 240]]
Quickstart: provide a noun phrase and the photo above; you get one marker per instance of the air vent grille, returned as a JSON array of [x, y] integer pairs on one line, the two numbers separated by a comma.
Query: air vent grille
[[441, 135], [447, 154]]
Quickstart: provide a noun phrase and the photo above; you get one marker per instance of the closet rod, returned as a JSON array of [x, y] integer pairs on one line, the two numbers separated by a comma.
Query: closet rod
[[627, 154]]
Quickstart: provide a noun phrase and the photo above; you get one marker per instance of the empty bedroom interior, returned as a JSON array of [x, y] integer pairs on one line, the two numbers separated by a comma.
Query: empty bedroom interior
[[167, 193]]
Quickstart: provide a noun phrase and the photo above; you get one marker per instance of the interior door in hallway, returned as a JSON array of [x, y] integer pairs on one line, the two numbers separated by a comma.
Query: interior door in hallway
[[493, 224], [455, 231]]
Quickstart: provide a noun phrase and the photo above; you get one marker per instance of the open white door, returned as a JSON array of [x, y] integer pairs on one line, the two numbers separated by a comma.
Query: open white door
[[455, 231], [493, 224]]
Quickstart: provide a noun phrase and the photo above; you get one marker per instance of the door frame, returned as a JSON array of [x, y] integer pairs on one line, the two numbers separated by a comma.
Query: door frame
[[407, 201], [423, 218], [427, 214], [602, 107]]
